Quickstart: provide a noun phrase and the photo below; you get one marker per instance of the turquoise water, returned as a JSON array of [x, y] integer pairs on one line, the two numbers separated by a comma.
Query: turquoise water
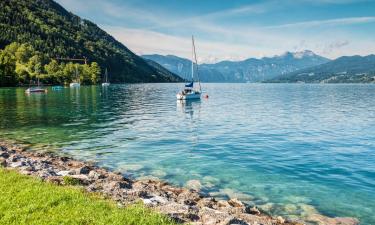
[[293, 149]]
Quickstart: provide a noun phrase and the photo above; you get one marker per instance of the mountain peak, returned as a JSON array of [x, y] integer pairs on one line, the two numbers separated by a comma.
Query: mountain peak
[[302, 54], [298, 54]]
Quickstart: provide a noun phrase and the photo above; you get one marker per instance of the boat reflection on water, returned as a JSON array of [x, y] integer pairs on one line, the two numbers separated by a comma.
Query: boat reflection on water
[[190, 107], [189, 113]]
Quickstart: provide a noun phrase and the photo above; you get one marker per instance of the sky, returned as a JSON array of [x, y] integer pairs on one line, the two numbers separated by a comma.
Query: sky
[[235, 29]]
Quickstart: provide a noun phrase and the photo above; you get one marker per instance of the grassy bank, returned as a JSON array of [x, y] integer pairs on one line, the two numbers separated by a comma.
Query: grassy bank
[[26, 200]]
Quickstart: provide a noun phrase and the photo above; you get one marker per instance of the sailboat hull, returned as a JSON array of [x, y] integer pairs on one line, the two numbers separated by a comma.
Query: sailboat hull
[[189, 96], [74, 85], [105, 84], [36, 90]]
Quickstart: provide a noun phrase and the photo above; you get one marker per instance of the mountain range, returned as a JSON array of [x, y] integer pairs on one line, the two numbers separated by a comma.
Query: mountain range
[[249, 70], [346, 69], [56, 33]]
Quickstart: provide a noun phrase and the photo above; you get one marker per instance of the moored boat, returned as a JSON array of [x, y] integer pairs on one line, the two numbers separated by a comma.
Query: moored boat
[[76, 83], [37, 89], [106, 83], [189, 92], [57, 88]]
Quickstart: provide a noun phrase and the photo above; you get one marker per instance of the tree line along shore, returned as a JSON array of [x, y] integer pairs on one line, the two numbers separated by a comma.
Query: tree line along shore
[[21, 64]]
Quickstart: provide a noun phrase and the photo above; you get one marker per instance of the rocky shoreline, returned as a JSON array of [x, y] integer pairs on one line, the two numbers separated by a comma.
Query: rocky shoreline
[[181, 204]]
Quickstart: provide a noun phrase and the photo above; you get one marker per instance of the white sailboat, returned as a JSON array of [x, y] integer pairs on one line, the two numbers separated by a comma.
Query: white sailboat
[[77, 81], [189, 91], [106, 83], [37, 89]]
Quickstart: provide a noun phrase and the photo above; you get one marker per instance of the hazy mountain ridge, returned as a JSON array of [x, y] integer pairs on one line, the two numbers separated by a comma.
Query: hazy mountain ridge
[[55, 32], [249, 70], [346, 69]]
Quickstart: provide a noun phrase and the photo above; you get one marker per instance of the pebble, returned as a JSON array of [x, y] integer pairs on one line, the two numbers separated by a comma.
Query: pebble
[[280, 219], [235, 202], [64, 173], [95, 175], [253, 210]]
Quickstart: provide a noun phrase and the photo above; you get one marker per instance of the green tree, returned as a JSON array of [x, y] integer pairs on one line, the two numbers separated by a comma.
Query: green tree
[[53, 72], [69, 72], [84, 72], [23, 53], [7, 69], [34, 66], [22, 64], [95, 73]]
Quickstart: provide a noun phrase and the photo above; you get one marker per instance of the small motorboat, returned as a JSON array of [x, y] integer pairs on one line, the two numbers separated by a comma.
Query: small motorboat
[[57, 88], [189, 92]]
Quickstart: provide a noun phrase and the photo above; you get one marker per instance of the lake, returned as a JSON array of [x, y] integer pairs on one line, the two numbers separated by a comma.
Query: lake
[[292, 149]]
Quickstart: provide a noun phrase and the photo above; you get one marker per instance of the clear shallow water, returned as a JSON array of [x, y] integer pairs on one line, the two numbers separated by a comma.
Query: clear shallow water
[[290, 148]]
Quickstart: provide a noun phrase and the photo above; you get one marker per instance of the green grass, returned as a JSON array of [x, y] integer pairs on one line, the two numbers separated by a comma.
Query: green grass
[[27, 200], [71, 181]]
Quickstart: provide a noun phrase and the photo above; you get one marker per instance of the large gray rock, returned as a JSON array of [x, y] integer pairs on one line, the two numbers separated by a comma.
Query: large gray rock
[[155, 200], [84, 170], [4, 155], [115, 186], [17, 164]]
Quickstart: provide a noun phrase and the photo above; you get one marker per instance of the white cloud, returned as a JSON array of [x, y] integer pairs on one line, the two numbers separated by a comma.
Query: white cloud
[[150, 42], [331, 22], [164, 33]]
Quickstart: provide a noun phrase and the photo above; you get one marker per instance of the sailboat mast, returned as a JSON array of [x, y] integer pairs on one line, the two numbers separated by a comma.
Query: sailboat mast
[[77, 74], [196, 62], [192, 59]]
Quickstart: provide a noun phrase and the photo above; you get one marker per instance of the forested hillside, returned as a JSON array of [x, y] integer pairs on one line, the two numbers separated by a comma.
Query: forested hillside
[[55, 33]]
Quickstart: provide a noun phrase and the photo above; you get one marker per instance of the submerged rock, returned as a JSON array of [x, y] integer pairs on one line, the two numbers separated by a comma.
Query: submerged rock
[[324, 220], [236, 194], [194, 185]]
